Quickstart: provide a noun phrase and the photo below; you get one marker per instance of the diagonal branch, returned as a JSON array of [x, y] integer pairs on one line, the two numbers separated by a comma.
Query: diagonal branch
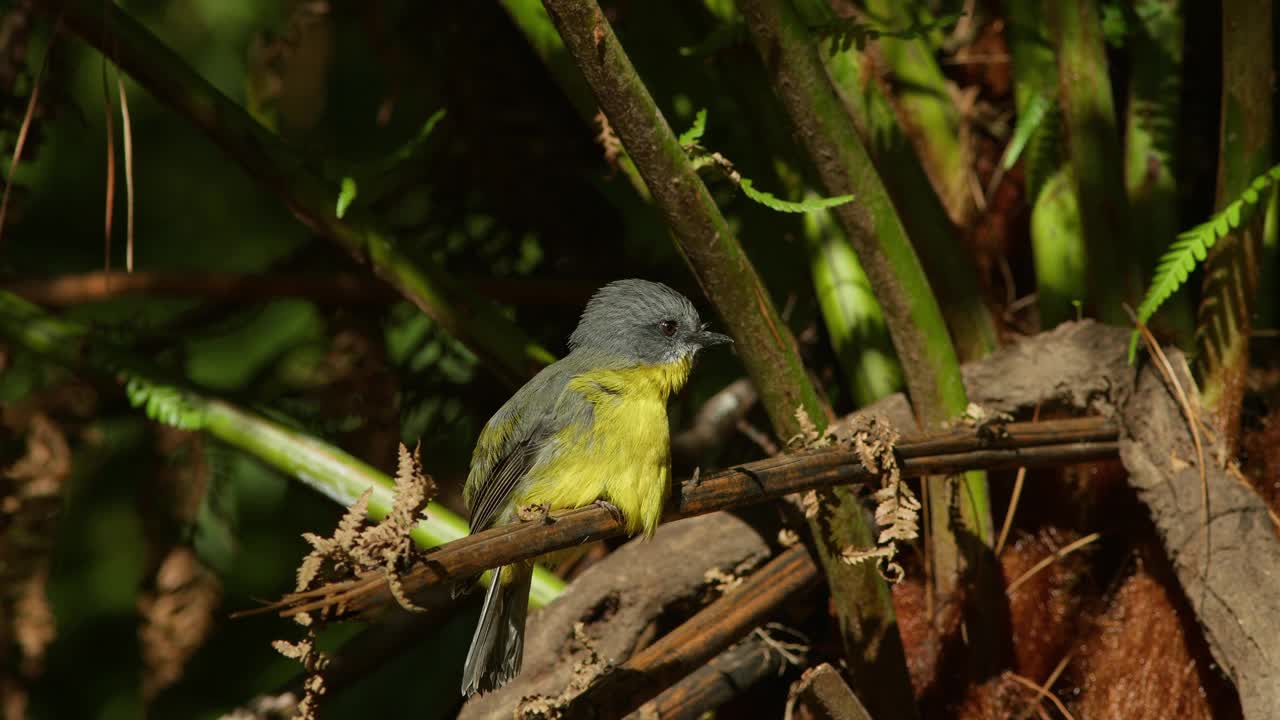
[[699, 639], [505, 348], [729, 674], [1032, 444]]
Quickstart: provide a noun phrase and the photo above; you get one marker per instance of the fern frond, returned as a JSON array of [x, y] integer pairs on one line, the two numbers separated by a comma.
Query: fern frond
[[1043, 155], [846, 33], [1192, 247], [701, 158], [690, 137], [165, 404], [775, 203]]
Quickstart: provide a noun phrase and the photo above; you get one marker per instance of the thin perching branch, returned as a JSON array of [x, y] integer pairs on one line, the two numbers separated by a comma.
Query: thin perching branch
[[1045, 443]]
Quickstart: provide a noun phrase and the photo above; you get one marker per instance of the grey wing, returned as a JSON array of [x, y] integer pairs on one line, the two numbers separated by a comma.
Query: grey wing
[[537, 412]]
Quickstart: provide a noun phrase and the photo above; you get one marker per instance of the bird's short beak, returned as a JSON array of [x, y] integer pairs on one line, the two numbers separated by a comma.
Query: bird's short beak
[[708, 339]]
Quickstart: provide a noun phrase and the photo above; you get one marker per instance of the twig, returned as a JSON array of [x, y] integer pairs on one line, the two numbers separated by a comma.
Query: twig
[[1050, 559], [1044, 693], [730, 674], [1049, 681], [25, 128], [1013, 501], [700, 638], [126, 129], [1032, 444]]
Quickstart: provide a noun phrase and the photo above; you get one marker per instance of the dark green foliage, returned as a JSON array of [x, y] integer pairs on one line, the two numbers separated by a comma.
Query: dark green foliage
[[847, 33]]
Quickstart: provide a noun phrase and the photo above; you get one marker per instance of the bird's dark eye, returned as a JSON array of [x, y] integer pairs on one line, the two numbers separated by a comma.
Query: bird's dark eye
[[668, 327]]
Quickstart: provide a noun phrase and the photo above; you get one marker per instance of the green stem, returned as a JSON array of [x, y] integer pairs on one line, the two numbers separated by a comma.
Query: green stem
[[914, 319], [949, 265], [876, 232], [500, 343], [1093, 146], [1231, 271], [322, 466], [765, 343], [851, 312]]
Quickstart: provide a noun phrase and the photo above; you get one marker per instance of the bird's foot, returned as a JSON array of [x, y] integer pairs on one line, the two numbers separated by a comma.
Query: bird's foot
[[614, 510], [535, 512]]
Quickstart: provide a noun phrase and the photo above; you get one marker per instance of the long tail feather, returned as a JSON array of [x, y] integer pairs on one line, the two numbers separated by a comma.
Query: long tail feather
[[497, 648]]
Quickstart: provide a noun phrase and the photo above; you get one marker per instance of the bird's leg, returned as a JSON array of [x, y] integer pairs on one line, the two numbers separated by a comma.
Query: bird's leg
[[614, 510], [535, 512]]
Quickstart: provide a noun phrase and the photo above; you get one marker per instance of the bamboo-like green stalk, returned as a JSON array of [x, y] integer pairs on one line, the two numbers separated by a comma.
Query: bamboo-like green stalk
[[873, 227], [851, 312], [949, 265], [764, 342], [1057, 237], [1093, 147], [1151, 127], [501, 344], [1231, 271], [321, 466], [925, 104]]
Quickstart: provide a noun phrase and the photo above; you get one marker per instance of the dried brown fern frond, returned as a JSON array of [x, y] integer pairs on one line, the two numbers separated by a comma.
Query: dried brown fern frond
[[355, 549]]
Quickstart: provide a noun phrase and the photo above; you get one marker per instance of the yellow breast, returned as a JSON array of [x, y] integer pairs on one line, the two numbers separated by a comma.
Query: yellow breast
[[625, 456]]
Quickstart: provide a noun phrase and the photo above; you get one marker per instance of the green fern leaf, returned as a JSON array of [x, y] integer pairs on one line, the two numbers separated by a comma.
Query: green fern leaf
[[1192, 247], [690, 137], [164, 404], [775, 203]]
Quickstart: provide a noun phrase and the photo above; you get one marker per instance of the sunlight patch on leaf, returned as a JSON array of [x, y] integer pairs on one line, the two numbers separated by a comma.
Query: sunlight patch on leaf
[[346, 196]]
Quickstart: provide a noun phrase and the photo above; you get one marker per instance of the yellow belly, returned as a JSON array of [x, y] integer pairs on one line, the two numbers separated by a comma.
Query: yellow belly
[[624, 458]]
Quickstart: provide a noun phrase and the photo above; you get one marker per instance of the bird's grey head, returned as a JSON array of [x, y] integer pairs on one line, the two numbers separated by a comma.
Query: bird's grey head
[[643, 322]]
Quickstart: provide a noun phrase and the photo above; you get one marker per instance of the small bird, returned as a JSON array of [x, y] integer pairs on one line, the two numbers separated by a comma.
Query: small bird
[[590, 428]]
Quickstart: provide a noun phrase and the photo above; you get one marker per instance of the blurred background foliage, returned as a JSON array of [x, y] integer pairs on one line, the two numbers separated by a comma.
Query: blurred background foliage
[[512, 194]]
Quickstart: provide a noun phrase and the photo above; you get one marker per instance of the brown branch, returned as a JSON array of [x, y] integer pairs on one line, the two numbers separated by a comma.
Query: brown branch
[[329, 287], [699, 639], [728, 675], [1031, 444]]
